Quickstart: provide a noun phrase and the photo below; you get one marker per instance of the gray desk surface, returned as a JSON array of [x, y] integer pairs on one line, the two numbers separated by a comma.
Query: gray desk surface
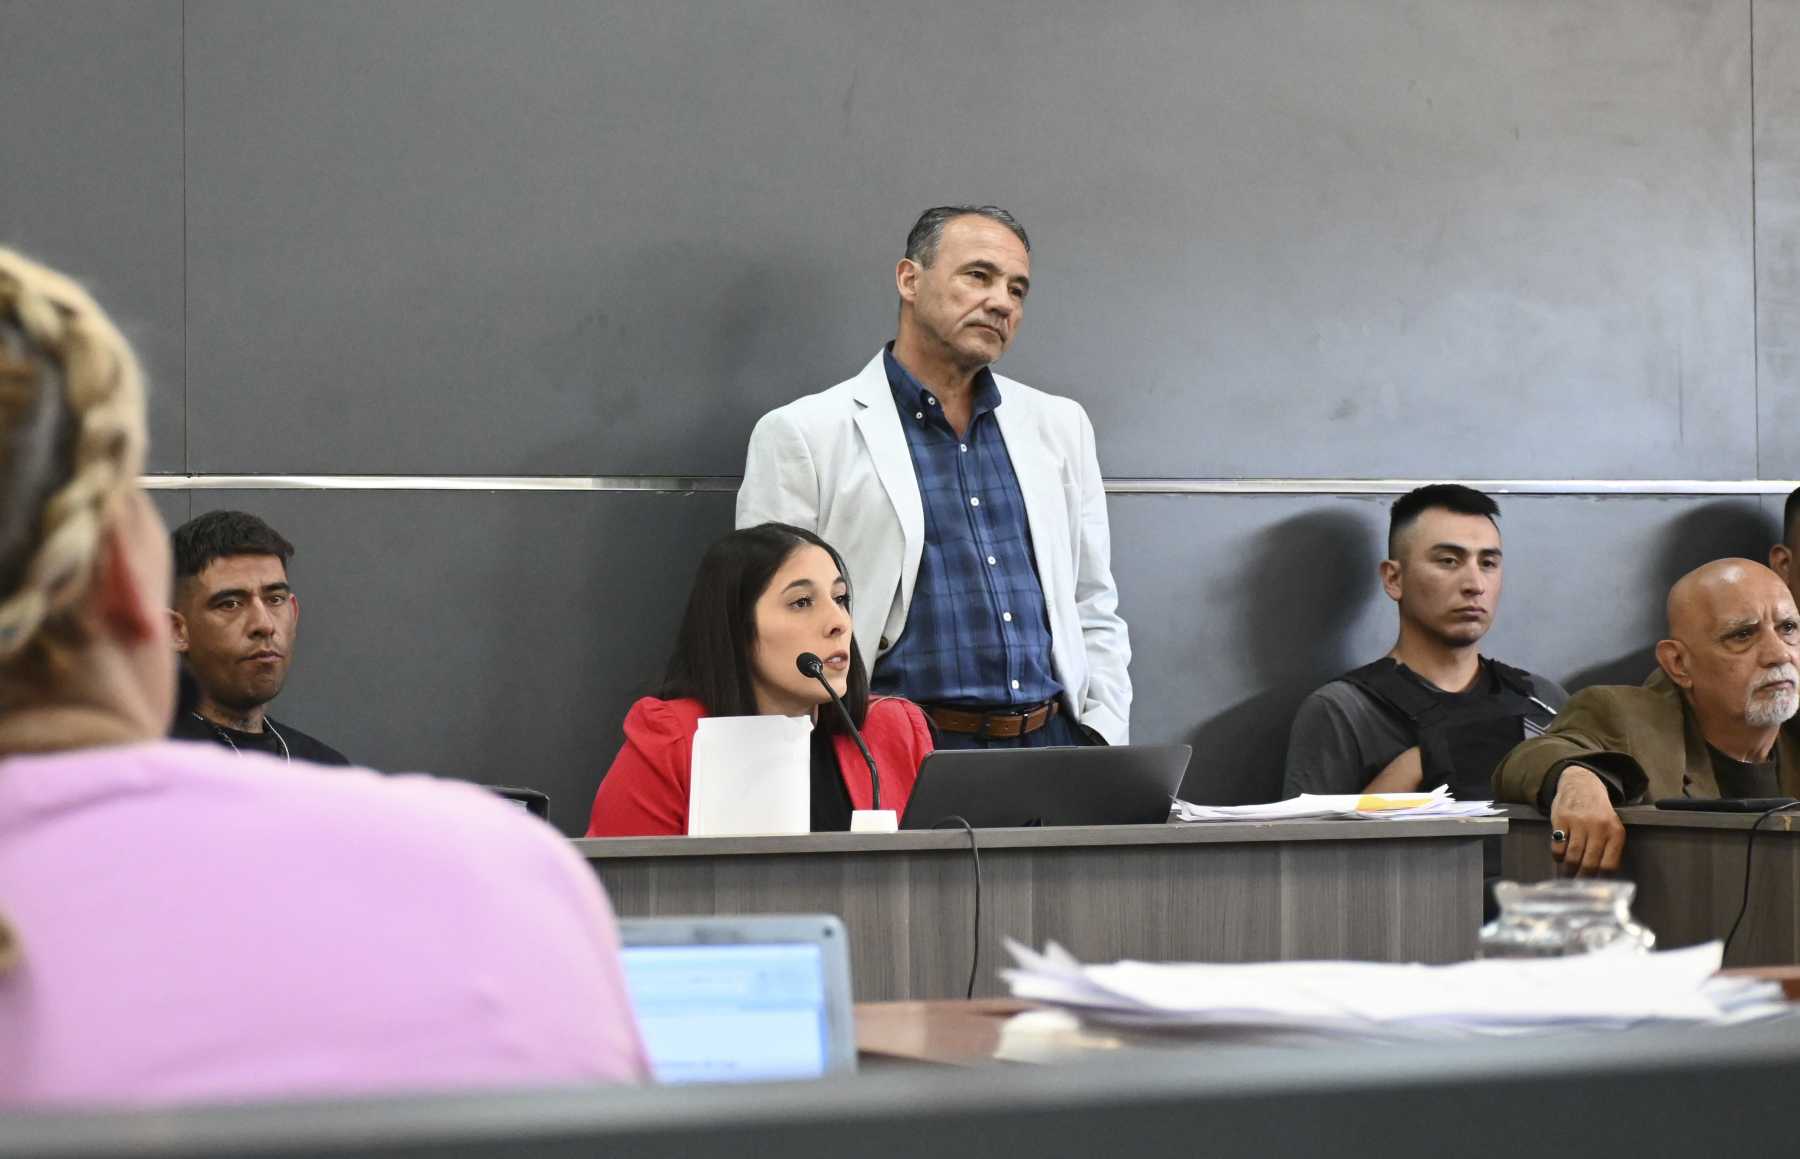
[[1206, 833], [1663, 1091], [1372, 890], [1650, 817], [1689, 870]]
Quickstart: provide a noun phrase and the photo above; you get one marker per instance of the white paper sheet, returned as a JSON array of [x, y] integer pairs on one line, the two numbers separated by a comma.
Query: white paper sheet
[[1388, 1002], [750, 775], [1437, 803]]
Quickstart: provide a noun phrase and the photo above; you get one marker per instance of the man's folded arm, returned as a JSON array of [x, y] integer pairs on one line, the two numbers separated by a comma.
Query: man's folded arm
[[1530, 773]]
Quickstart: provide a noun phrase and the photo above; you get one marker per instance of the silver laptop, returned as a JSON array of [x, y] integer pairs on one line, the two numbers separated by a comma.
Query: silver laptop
[[742, 999]]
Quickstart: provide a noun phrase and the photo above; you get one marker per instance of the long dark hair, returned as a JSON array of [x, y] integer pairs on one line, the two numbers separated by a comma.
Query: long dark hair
[[711, 662]]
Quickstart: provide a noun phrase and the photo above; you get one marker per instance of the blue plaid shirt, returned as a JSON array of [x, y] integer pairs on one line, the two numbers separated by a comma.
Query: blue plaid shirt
[[978, 631]]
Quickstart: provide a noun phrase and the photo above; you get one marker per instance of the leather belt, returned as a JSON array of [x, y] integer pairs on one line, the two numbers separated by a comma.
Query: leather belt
[[1002, 725]]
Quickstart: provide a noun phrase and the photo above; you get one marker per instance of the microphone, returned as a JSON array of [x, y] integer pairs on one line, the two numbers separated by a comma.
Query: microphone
[[875, 817]]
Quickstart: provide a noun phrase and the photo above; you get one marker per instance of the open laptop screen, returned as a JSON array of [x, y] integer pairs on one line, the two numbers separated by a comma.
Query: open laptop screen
[[731, 1013]]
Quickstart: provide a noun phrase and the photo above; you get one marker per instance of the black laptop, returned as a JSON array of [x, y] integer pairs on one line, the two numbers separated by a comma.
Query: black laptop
[[1003, 788]]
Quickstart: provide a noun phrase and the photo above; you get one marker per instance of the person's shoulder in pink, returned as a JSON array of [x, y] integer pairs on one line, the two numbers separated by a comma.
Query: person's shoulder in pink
[[196, 925]]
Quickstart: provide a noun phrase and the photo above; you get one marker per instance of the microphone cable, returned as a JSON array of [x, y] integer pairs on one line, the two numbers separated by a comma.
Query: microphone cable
[[975, 930], [1749, 850]]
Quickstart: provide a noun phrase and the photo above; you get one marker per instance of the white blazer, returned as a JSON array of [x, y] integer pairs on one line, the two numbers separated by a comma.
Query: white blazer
[[837, 463]]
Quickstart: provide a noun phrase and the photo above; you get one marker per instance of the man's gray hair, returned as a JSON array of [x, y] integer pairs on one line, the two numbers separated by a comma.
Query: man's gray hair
[[922, 242]]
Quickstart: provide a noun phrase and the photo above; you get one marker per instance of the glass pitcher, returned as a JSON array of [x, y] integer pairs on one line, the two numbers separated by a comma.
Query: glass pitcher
[[1554, 919]]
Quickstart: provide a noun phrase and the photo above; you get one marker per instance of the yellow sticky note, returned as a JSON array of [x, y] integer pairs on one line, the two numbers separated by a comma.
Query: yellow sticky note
[[1372, 803]]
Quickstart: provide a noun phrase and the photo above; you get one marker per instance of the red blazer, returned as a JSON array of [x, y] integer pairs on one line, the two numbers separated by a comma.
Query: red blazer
[[645, 793]]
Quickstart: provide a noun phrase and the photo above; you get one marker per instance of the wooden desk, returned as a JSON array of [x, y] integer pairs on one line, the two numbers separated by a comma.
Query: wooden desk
[[1689, 870], [945, 1032], [1371, 890]]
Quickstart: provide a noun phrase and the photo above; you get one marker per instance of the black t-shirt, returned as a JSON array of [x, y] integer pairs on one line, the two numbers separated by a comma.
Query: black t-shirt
[[830, 799], [1487, 683], [1744, 778], [276, 739]]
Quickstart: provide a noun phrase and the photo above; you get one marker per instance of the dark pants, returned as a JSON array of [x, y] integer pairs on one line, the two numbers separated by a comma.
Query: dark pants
[[1059, 731]]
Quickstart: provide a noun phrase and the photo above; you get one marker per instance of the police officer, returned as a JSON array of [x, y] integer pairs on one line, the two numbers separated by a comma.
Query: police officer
[[1433, 711]]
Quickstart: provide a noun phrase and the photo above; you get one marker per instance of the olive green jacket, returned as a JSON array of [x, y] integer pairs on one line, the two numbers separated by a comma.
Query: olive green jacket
[[1642, 736]]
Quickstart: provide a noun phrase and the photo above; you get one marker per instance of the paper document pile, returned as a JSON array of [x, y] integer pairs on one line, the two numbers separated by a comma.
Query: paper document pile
[[1373, 1000], [748, 775], [1437, 803]]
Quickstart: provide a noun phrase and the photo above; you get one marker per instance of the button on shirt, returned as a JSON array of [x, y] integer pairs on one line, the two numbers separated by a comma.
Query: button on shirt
[[977, 631]]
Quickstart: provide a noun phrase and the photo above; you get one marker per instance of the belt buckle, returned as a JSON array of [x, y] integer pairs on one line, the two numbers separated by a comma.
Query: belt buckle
[[987, 718]]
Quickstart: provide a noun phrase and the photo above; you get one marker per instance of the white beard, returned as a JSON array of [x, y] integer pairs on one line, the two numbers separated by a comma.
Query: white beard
[[1769, 711]]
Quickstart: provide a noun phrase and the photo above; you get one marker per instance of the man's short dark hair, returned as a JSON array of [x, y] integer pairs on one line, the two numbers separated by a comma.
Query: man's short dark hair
[[1446, 496], [922, 242], [219, 534], [1789, 515]]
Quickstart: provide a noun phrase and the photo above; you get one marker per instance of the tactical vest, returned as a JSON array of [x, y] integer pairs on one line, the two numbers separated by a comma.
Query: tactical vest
[[1459, 742]]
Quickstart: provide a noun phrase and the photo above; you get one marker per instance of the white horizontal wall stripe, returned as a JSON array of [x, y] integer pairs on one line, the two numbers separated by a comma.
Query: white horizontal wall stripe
[[691, 483], [441, 482]]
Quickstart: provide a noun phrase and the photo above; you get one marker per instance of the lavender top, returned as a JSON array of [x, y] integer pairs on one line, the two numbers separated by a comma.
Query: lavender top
[[197, 925]]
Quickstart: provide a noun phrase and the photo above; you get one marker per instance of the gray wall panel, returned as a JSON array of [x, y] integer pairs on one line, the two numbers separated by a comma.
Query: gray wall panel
[[1773, 506], [92, 177], [492, 637], [1273, 239], [175, 507], [1778, 236]]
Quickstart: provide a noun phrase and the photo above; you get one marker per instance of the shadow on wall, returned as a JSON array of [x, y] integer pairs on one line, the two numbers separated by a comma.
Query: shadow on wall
[[598, 619], [1313, 578], [1730, 527]]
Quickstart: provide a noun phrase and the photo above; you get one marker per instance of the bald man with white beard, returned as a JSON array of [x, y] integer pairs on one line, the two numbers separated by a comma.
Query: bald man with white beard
[[1707, 724]]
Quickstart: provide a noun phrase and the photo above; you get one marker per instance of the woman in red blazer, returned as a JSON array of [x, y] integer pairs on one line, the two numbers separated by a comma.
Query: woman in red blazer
[[762, 597]]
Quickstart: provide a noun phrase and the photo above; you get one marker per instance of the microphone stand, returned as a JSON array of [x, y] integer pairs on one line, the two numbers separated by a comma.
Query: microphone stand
[[874, 819]]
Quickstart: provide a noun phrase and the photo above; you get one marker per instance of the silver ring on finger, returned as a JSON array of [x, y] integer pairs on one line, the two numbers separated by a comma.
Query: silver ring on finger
[[1558, 837]]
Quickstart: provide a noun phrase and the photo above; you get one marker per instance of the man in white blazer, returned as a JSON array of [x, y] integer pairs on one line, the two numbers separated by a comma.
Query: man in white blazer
[[968, 507]]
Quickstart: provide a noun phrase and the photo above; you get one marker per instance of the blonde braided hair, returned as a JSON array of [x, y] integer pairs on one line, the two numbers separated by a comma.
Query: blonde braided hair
[[71, 438]]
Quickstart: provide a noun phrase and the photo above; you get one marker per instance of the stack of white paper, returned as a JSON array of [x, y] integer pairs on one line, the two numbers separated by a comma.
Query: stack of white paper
[[1386, 1001], [1437, 803], [750, 775]]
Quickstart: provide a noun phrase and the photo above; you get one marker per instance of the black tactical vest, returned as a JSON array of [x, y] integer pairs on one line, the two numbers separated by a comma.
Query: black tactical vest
[[1459, 742]]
